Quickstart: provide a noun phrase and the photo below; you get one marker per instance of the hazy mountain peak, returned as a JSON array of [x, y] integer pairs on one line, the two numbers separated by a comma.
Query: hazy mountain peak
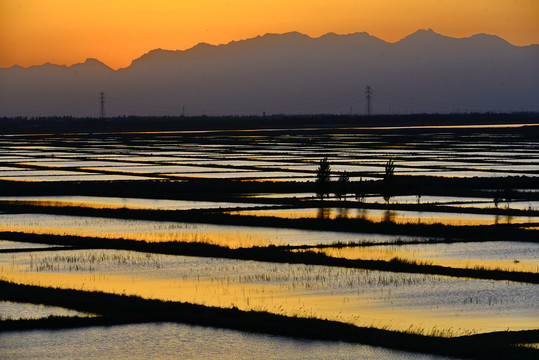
[[47, 66], [152, 56], [423, 35], [158, 52], [274, 38], [290, 34], [16, 68], [332, 35], [488, 38], [91, 63], [202, 45]]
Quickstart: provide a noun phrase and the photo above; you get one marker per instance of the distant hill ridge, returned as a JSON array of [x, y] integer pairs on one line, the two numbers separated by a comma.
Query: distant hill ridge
[[289, 73]]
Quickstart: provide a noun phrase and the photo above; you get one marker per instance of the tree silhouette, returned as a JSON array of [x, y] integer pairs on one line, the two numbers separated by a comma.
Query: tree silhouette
[[322, 178], [497, 198], [388, 187], [508, 196]]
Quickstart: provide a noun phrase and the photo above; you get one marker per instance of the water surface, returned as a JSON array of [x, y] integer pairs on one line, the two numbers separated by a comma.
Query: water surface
[[447, 306], [178, 341]]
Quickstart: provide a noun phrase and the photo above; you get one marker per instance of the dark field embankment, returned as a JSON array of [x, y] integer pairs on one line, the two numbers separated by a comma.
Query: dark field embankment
[[24, 125]]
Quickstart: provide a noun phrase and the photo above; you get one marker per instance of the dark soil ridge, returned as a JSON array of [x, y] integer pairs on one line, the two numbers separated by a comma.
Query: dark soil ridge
[[230, 189], [24, 125]]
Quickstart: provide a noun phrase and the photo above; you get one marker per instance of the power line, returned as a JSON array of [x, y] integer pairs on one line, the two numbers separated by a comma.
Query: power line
[[368, 96]]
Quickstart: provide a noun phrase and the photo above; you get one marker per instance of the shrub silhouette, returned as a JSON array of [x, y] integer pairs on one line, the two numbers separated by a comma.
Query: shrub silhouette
[[508, 197]]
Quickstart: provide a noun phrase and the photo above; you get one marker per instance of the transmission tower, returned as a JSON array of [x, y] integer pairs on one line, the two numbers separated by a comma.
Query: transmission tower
[[102, 105], [368, 96]]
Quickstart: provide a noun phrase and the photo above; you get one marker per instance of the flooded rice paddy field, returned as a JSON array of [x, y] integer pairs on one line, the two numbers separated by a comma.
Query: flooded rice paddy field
[[13, 245], [266, 156], [505, 255], [102, 202], [230, 236], [414, 302], [170, 340], [393, 216], [458, 201], [16, 311], [362, 297]]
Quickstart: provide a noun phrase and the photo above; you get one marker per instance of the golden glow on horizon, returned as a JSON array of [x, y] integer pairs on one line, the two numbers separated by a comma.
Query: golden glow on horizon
[[118, 31]]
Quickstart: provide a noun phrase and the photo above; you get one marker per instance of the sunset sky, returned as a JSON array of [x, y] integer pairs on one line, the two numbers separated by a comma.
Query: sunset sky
[[33, 32]]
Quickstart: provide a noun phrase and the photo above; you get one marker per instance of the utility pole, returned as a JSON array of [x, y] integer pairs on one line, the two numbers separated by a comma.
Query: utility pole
[[368, 96], [102, 105]]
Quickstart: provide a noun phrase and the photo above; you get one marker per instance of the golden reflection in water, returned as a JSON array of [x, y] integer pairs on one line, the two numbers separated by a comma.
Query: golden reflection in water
[[425, 257], [58, 203], [323, 213], [362, 309], [230, 240], [350, 308], [398, 217], [18, 180]]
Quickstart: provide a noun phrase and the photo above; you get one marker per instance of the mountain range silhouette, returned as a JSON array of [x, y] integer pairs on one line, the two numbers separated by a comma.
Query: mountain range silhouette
[[289, 73]]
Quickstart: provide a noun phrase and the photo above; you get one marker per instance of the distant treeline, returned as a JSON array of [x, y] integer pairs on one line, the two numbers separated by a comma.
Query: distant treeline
[[178, 123]]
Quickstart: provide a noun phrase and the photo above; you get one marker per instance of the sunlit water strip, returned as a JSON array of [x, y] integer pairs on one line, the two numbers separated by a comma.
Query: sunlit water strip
[[16, 311], [166, 341], [413, 302], [508, 256], [394, 216], [102, 202], [161, 231]]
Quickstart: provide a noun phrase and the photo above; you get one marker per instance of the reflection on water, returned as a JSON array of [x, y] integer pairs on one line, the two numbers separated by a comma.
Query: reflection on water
[[101, 202], [447, 306], [173, 341], [31, 177], [272, 155], [11, 245], [509, 256], [16, 311], [159, 231], [395, 216]]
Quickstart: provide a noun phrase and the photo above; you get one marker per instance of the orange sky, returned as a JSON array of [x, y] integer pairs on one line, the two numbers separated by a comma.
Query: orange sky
[[118, 31]]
